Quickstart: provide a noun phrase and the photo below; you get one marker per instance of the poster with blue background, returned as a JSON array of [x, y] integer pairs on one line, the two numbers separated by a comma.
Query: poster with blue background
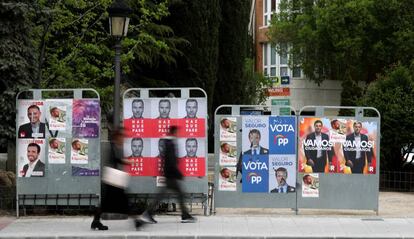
[[255, 173], [255, 157], [282, 135]]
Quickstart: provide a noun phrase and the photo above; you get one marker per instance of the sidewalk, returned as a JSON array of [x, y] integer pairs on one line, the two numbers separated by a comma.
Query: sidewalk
[[395, 220], [217, 227]]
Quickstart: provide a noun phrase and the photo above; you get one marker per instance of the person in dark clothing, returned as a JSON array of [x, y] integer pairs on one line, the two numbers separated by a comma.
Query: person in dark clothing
[[358, 150], [318, 151], [114, 199], [172, 175], [35, 128]]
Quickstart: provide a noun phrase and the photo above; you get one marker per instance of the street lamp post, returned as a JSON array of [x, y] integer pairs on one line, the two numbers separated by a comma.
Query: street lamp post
[[118, 28]]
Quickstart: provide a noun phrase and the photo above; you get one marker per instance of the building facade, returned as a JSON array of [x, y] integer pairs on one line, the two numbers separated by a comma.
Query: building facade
[[291, 85]]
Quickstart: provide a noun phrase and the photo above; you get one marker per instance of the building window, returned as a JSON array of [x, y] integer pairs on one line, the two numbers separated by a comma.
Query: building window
[[277, 65], [269, 8]]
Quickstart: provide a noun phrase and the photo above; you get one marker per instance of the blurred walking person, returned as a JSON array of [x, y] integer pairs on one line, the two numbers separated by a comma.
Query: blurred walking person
[[173, 176], [114, 198]]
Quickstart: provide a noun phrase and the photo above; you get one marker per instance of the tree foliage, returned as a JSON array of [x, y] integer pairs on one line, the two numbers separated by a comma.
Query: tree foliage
[[253, 85], [393, 95], [66, 44], [17, 61], [175, 43], [198, 21], [234, 47], [349, 40], [195, 63], [76, 49]]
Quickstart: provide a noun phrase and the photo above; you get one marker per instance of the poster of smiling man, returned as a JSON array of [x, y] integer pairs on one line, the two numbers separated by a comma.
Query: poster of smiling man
[[31, 158], [31, 119], [59, 114]]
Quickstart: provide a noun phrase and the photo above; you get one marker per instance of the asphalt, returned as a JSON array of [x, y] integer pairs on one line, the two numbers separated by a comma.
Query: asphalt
[[395, 220]]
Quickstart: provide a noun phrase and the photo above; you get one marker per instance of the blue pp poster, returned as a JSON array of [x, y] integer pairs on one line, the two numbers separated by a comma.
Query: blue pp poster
[[255, 173], [282, 138]]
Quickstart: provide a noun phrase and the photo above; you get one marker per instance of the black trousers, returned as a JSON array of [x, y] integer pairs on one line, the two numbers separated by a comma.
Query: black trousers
[[320, 164], [358, 165]]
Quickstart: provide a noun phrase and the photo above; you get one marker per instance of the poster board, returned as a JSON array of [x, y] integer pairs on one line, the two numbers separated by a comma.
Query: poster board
[[255, 156], [147, 116], [54, 137]]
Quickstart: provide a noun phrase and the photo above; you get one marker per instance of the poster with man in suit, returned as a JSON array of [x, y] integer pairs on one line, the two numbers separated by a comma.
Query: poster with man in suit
[[31, 119], [31, 156]]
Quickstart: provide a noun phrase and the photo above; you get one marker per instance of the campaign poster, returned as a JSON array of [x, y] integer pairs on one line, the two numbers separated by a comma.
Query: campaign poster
[[310, 185], [58, 114], [164, 115], [157, 150], [31, 119], [227, 179], [138, 152], [137, 117], [191, 128], [282, 135], [359, 148], [346, 146], [192, 114], [255, 135], [255, 156], [192, 167], [255, 176], [192, 108], [228, 153], [79, 151], [81, 171], [85, 118], [228, 129], [282, 173], [57, 150], [315, 149], [191, 147], [136, 108], [31, 160], [192, 156], [164, 108]]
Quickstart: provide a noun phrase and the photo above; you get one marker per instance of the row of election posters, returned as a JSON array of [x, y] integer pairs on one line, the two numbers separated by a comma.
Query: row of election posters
[[334, 145], [269, 152], [56, 132], [146, 123], [267, 161]]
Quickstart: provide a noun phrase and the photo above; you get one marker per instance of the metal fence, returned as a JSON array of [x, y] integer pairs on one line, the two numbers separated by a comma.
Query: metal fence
[[394, 181], [7, 200], [397, 181]]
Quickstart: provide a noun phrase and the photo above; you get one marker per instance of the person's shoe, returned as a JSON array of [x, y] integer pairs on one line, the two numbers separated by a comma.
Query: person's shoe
[[188, 219], [147, 218], [98, 225], [138, 223]]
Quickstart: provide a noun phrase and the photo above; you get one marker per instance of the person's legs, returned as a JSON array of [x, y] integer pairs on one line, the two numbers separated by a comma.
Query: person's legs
[[96, 223], [147, 215], [175, 186]]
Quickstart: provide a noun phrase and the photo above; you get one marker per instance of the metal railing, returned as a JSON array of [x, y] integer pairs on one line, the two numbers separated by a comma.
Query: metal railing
[[394, 181], [397, 181], [7, 200]]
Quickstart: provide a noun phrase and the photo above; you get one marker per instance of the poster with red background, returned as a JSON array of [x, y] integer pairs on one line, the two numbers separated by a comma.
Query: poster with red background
[[146, 122]]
